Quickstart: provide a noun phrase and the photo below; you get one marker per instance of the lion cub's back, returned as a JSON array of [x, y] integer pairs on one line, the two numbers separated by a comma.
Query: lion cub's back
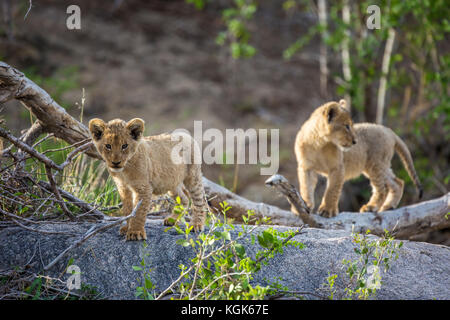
[[377, 139], [374, 148], [166, 175]]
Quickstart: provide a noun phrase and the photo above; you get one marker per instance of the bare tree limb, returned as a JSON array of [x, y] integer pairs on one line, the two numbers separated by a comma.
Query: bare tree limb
[[74, 200], [403, 222], [15, 85], [47, 161]]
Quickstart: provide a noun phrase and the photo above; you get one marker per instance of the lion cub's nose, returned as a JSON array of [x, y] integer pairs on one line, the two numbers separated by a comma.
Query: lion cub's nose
[[116, 163]]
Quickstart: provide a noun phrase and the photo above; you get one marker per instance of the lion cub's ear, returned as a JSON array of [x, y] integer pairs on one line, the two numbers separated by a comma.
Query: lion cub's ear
[[96, 127], [331, 112], [136, 128], [343, 104]]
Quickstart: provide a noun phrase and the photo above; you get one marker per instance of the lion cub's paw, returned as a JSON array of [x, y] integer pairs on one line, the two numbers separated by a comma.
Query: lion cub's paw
[[368, 208], [170, 220], [327, 212], [123, 230], [136, 234], [198, 224]]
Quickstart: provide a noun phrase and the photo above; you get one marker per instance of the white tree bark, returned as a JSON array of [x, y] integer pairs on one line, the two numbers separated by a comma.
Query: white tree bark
[[384, 73], [403, 222], [346, 51], [52, 117], [323, 60]]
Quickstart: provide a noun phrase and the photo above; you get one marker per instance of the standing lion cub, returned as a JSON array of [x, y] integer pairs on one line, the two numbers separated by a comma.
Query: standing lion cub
[[142, 166], [329, 144]]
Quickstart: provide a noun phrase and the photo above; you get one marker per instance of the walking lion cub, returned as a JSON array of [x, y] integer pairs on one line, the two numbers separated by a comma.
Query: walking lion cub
[[329, 144], [142, 166]]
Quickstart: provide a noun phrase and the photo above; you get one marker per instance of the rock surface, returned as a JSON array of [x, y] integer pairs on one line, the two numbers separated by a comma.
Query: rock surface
[[106, 260]]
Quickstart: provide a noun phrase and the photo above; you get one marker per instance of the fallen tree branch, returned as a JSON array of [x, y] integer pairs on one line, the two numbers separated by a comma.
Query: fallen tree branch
[[15, 85], [74, 200], [402, 222], [293, 197], [41, 157]]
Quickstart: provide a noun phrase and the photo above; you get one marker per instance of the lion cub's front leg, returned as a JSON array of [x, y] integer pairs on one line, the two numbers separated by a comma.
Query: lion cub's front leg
[[126, 195], [330, 201], [136, 226]]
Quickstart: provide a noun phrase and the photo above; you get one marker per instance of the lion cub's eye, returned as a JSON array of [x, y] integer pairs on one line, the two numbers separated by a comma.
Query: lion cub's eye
[[124, 146], [347, 127], [108, 146]]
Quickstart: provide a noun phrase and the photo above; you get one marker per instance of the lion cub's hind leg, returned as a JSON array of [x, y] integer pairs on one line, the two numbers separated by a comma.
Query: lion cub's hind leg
[[179, 192], [378, 181], [194, 185], [395, 187]]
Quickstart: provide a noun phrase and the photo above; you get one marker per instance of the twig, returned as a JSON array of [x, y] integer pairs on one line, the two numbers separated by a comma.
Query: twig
[[90, 233], [19, 144], [217, 279], [55, 190], [29, 9]]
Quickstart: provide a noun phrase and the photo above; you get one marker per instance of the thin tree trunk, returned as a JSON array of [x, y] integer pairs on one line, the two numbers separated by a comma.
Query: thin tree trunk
[[323, 60], [384, 73], [345, 51]]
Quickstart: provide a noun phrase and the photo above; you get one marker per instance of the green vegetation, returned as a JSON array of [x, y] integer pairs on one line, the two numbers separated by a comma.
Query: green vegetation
[[364, 274], [221, 267]]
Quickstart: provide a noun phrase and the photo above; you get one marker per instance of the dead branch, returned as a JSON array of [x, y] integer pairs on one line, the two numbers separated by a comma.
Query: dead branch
[[15, 85], [41, 157], [293, 197], [55, 190], [403, 222], [74, 200]]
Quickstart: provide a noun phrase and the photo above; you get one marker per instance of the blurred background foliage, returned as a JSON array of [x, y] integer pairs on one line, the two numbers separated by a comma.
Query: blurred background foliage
[[246, 64]]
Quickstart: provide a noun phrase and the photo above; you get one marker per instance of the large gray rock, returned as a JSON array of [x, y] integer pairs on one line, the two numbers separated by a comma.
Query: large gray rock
[[106, 260]]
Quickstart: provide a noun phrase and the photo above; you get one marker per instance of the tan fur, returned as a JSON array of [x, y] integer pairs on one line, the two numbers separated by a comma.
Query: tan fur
[[145, 167], [325, 146]]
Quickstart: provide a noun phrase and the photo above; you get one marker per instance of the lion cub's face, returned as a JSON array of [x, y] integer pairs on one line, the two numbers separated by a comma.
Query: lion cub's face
[[340, 125], [117, 140]]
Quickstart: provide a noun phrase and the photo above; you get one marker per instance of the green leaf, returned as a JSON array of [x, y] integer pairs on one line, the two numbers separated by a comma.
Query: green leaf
[[240, 250]]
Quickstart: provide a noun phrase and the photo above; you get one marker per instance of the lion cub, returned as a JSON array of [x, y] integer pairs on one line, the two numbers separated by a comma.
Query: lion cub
[[142, 166], [329, 144]]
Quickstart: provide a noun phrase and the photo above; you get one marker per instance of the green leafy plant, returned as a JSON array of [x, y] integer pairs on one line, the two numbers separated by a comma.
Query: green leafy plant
[[146, 289], [364, 273], [221, 267]]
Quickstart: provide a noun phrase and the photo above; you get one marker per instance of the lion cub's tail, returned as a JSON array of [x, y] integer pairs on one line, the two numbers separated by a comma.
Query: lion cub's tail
[[404, 154]]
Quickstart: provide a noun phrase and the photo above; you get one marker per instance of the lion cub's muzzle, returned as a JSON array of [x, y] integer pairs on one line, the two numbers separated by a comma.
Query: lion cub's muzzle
[[116, 166]]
